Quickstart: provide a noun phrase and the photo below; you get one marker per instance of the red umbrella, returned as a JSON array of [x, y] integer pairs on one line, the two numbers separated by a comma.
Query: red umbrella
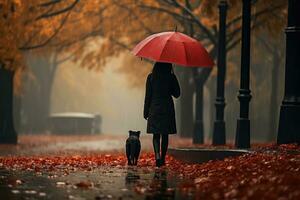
[[173, 47]]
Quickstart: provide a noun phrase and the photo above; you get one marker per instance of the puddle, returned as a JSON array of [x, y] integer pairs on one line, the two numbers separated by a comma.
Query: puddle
[[103, 183]]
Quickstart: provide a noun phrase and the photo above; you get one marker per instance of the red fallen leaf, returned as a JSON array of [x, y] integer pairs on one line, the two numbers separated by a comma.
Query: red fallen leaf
[[84, 184], [264, 172], [230, 167], [232, 193], [201, 180], [186, 187]]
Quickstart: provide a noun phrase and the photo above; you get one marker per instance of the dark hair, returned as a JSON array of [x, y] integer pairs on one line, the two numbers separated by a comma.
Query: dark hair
[[162, 68]]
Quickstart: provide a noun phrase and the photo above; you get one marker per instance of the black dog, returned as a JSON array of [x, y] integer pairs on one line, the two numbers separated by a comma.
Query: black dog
[[133, 147]]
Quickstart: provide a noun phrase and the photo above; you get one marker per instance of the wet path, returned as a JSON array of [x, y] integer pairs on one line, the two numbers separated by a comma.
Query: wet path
[[103, 183], [55, 167]]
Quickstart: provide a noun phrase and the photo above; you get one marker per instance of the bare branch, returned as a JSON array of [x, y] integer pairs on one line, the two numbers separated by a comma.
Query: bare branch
[[52, 2], [268, 46], [95, 33], [47, 15], [160, 9], [257, 14], [195, 19], [50, 38], [120, 44], [66, 58], [131, 11], [232, 43], [235, 32]]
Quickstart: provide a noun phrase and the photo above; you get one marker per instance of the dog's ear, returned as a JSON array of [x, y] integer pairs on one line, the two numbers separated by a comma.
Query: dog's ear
[[138, 133], [130, 132]]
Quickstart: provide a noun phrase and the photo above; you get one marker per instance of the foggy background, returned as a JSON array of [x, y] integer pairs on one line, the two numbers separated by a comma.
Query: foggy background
[[106, 93], [111, 93]]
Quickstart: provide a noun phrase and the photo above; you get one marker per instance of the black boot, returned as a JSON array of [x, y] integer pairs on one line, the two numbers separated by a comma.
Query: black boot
[[164, 148], [156, 147]]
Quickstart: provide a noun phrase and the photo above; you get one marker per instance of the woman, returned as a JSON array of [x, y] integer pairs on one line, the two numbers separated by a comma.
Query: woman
[[159, 109]]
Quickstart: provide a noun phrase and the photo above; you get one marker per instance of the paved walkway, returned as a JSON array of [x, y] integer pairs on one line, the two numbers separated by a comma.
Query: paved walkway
[[104, 183], [120, 182]]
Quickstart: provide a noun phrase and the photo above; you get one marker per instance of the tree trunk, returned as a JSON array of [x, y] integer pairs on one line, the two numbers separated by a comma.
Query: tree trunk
[[200, 79], [44, 71], [186, 103], [273, 98], [187, 92], [8, 134], [17, 109], [198, 133], [212, 88]]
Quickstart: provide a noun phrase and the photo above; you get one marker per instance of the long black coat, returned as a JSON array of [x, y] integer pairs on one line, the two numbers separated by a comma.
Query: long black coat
[[159, 107]]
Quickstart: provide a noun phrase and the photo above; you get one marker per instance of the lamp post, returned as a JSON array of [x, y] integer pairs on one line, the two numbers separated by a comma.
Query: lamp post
[[289, 121], [219, 136], [242, 139]]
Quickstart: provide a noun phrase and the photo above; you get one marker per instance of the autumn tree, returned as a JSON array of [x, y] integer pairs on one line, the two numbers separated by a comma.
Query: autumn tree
[[31, 25], [274, 58], [37, 82]]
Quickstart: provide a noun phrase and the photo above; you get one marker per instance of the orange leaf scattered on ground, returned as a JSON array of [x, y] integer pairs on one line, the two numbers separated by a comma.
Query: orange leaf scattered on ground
[[270, 172], [84, 184]]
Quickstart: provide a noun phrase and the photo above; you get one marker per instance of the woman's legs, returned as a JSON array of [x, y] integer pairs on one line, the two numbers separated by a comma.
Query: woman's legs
[[156, 147], [164, 147], [160, 158]]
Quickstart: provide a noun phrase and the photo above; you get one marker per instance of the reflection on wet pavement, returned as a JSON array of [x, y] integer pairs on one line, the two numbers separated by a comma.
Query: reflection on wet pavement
[[103, 183]]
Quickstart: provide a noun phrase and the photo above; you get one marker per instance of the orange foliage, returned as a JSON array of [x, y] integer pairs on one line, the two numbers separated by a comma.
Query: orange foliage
[[126, 23], [93, 31]]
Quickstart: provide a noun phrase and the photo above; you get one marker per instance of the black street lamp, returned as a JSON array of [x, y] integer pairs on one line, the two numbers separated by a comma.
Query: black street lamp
[[242, 139], [219, 136], [289, 121]]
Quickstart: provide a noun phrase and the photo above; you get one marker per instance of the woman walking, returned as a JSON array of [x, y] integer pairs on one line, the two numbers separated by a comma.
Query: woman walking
[[159, 110]]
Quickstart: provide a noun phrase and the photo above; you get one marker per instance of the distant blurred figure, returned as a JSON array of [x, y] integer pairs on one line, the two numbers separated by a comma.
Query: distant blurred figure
[[159, 110]]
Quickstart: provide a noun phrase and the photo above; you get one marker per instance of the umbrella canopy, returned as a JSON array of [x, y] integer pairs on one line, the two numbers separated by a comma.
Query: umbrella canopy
[[173, 47]]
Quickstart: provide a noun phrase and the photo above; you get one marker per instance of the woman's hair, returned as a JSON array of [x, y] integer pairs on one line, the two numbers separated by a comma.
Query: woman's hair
[[162, 68]]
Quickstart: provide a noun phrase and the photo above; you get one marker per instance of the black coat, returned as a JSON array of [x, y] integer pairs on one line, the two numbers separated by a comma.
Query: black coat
[[159, 107]]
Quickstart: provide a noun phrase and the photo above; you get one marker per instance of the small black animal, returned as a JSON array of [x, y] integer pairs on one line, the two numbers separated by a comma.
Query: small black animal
[[133, 147]]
